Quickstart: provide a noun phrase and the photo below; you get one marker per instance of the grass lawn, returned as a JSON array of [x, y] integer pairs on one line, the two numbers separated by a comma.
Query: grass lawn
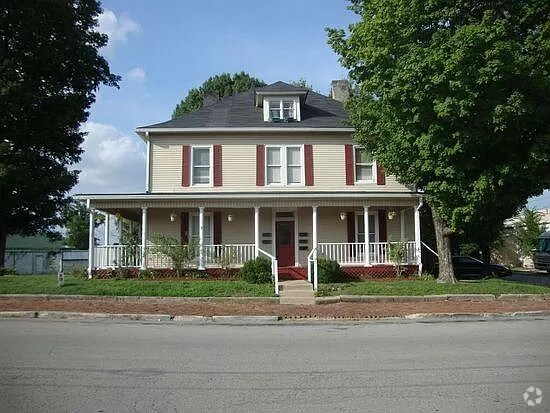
[[47, 284], [418, 287]]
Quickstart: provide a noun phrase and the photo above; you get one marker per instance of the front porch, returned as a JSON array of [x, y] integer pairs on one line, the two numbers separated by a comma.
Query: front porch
[[290, 233]]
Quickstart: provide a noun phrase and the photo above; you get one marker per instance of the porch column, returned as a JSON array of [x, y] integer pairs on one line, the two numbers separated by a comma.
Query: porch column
[[314, 227], [256, 231], [106, 229], [90, 240], [143, 238], [402, 223], [417, 248], [201, 238], [367, 238]]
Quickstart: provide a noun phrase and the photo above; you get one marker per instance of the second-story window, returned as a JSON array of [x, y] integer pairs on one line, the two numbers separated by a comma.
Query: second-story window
[[364, 166], [282, 110], [202, 165], [284, 165]]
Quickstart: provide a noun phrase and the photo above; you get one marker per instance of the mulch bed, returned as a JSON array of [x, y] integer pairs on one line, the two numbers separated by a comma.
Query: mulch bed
[[339, 310]]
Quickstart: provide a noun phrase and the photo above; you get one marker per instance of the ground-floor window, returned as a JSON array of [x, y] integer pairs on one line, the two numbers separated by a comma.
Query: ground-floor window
[[360, 232], [208, 228]]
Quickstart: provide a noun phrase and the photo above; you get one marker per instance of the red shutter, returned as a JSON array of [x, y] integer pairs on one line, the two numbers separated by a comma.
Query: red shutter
[[217, 165], [184, 227], [348, 150], [217, 228], [185, 165], [382, 226], [350, 218], [260, 165], [308, 157], [380, 175]]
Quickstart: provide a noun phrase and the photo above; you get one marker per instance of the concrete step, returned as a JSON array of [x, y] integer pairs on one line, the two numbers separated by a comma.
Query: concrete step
[[296, 292]]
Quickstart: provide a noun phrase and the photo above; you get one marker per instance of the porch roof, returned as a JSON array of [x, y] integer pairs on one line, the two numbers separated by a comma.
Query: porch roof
[[272, 199]]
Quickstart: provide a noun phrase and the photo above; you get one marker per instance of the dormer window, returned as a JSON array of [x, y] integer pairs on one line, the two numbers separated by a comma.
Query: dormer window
[[282, 110]]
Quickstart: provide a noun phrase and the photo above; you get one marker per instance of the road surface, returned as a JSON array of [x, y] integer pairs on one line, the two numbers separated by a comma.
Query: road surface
[[58, 366]]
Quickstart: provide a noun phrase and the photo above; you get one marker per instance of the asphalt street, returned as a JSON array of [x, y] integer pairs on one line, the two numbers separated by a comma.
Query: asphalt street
[[72, 366]]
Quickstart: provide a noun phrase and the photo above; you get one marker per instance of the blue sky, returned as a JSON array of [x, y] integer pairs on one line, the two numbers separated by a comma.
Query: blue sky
[[164, 48]]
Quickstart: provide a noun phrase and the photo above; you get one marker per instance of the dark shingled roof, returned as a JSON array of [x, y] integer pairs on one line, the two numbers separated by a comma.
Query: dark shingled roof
[[239, 111]]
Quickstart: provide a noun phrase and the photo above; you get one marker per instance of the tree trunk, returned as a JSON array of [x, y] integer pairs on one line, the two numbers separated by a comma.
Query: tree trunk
[[3, 236], [442, 237], [486, 257]]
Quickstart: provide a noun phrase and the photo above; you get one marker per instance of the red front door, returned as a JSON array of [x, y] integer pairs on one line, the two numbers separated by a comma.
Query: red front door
[[285, 243]]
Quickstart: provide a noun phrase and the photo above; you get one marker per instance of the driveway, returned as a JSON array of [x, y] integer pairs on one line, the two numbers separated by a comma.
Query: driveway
[[536, 278]]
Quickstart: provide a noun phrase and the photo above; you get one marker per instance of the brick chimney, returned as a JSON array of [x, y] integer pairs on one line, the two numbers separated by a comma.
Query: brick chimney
[[210, 98], [339, 90]]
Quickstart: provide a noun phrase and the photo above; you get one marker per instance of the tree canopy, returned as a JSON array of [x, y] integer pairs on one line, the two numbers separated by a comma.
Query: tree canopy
[[49, 71], [224, 85], [76, 221], [454, 97]]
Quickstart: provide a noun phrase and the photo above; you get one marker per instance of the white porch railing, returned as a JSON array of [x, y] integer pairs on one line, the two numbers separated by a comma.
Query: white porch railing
[[117, 256], [353, 253], [229, 255], [274, 268]]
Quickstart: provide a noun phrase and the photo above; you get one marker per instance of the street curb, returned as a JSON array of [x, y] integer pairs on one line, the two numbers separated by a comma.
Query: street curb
[[268, 320], [428, 298], [476, 316]]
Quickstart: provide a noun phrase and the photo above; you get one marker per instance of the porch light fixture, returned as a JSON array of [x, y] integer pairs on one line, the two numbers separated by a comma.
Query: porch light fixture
[[172, 217], [230, 217], [391, 214], [342, 216]]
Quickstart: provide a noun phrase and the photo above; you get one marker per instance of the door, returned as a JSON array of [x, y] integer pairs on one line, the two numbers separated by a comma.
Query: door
[[285, 243]]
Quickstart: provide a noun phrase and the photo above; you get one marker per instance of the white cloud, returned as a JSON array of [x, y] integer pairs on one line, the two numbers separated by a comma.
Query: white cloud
[[112, 162], [137, 74], [117, 28]]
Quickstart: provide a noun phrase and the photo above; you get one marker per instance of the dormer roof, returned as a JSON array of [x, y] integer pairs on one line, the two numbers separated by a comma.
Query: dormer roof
[[280, 89]]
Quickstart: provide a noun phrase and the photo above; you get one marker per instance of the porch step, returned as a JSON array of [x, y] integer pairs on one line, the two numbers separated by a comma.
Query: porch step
[[297, 292]]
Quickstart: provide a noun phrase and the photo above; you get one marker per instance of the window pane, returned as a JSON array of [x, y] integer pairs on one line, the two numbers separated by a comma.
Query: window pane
[[207, 232], [372, 229], [201, 175], [273, 156], [293, 156], [294, 174], [275, 109], [363, 173], [273, 174], [362, 157], [288, 109], [201, 156]]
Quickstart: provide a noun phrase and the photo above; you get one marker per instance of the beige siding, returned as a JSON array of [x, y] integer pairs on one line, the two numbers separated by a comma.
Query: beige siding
[[239, 163]]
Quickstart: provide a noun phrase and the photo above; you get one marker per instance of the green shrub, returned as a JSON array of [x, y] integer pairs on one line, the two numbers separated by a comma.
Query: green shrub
[[146, 274], [257, 271], [329, 271], [78, 272], [7, 271]]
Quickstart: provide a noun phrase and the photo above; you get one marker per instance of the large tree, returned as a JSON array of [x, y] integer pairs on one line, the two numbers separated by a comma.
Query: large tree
[[50, 69], [76, 222], [224, 85], [454, 97]]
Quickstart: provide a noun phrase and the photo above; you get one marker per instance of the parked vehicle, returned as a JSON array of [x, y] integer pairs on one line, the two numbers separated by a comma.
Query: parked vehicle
[[541, 257], [469, 267]]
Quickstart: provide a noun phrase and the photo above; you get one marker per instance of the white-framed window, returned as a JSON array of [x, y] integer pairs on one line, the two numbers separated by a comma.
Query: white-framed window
[[281, 109], [284, 165], [201, 165], [360, 228], [365, 170], [208, 228]]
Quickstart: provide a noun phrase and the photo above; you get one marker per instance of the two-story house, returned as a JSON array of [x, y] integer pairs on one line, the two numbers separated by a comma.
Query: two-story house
[[274, 172]]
